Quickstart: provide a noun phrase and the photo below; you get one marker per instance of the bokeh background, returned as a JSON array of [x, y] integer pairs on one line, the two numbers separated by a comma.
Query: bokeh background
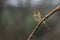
[[17, 21]]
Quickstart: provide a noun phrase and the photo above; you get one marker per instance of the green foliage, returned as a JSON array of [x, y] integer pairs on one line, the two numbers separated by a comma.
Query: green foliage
[[7, 17], [30, 22]]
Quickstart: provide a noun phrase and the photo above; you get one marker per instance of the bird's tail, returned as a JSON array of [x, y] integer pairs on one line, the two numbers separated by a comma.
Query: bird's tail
[[46, 25]]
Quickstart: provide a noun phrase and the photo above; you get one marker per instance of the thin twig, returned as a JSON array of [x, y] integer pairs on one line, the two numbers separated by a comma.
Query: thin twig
[[43, 19]]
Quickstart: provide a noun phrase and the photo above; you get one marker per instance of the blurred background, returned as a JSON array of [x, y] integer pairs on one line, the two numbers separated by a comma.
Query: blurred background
[[17, 21]]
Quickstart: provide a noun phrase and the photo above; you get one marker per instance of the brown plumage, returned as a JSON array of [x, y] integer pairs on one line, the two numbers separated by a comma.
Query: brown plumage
[[38, 17]]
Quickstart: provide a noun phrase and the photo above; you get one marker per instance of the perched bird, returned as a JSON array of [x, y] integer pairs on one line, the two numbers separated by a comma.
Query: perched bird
[[38, 17]]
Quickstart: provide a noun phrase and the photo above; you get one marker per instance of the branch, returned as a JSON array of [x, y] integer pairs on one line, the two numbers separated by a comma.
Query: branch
[[43, 19]]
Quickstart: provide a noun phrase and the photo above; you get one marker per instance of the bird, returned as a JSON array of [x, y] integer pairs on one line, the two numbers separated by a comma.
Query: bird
[[38, 18]]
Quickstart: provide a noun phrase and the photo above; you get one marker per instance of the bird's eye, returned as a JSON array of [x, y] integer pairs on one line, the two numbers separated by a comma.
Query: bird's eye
[[36, 13]]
